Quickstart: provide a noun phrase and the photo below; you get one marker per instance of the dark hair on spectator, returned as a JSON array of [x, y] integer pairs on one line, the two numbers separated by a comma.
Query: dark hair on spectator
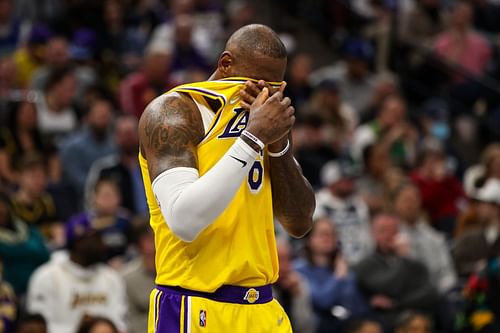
[[357, 325], [56, 75], [29, 318], [89, 323], [405, 318], [13, 112], [368, 153], [31, 161], [400, 188]]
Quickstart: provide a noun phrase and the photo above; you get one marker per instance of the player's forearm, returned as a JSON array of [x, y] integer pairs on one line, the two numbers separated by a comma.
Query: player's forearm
[[293, 197]]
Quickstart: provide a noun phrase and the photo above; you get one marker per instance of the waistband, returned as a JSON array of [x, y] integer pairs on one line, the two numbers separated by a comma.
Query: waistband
[[228, 294]]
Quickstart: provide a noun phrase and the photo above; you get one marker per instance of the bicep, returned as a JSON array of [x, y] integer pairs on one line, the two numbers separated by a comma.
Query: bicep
[[170, 130]]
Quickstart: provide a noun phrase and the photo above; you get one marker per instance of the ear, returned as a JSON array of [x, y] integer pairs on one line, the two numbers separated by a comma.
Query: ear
[[225, 64]]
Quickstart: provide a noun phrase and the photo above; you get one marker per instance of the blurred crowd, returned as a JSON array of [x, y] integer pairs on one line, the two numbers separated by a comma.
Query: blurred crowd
[[398, 131]]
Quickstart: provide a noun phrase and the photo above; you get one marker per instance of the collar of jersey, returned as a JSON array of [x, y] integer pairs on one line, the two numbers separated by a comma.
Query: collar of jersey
[[244, 79]]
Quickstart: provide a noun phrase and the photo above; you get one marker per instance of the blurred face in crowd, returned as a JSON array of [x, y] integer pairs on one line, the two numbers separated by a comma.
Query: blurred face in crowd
[[300, 68], [100, 117], [57, 51], [462, 16], [64, 91], [26, 116], [343, 188], [370, 327], [5, 10], [379, 161], [126, 135], [107, 198], [113, 12], [357, 68], [393, 112], [430, 3], [487, 212], [156, 66], [419, 324], [407, 204], [34, 180], [323, 238], [180, 7], [102, 327], [32, 327], [183, 30], [494, 167], [147, 249], [385, 230]]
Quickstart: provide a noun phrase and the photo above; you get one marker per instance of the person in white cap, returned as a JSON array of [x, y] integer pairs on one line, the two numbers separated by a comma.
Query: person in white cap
[[339, 201], [473, 248]]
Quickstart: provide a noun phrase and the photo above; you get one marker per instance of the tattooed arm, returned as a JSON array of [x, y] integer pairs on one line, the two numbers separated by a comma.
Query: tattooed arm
[[170, 129]]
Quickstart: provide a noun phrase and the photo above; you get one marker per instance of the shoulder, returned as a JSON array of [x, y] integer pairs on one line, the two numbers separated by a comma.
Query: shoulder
[[44, 273]]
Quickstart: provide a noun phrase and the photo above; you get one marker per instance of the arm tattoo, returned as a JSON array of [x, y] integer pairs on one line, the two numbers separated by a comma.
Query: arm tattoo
[[170, 130]]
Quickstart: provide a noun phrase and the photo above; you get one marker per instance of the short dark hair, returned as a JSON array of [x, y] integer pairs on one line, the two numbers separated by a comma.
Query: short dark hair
[[405, 318], [89, 323], [356, 325], [29, 318]]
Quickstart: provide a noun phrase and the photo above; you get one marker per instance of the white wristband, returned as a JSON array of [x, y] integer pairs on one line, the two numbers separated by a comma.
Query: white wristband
[[280, 153], [254, 139]]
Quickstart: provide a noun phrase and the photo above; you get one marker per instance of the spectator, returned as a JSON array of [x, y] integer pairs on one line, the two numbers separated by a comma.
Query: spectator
[[298, 87], [339, 201], [392, 281], [363, 326], [293, 293], [56, 117], [8, 84], [339, 117], [461, 46], [12, 30], [391, 130], [92, 142], [57, 56], [334, 293], [413, 322], [356, 82], [32, 323], [22, 248], [311, 147], [122, 168], [426, 245], [30, 57], [67, 289], [19, 137], [139, 280], [474, 247], [31, 203], [97, 325], [8, 305], [489, 167], [371, 184], [441, 192], [422, 23], [106, 215], [141, 87]]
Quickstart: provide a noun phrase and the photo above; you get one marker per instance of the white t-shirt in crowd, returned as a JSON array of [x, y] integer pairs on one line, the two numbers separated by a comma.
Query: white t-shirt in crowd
[[64, 292]]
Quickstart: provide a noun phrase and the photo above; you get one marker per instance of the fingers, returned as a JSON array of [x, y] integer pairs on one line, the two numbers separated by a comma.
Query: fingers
[[253, 89], [282, 87], [246, 97], [245, 105], [262, 97], [286, 102]]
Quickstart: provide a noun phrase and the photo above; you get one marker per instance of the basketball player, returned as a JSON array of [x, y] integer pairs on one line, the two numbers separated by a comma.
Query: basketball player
[[215, 176]]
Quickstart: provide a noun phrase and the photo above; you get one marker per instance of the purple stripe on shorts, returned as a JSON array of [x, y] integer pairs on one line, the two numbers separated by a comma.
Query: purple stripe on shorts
[[169, 313], [227, 294], [186, 314]]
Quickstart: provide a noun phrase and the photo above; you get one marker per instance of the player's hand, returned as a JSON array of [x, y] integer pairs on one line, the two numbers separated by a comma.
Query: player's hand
[[251, 90], [270, 118]]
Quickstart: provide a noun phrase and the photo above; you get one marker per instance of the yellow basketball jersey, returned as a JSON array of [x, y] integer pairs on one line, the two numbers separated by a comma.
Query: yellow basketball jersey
[[239, 247]]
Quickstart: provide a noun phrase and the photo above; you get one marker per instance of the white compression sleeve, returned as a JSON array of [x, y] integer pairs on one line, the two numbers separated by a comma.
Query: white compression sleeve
[[190, 203]]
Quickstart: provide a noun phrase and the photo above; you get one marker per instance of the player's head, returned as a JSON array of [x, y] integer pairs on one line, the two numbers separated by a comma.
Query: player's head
[[253, 51]]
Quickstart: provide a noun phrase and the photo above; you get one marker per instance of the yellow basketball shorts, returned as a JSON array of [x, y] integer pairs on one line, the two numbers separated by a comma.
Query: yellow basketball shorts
[[229, 309]]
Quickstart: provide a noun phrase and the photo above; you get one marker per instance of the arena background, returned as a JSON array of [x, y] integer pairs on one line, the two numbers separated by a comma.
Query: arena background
[[398, 122]]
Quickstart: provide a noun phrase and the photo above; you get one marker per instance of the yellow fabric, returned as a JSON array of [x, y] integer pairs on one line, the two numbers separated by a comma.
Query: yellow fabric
[[26, 67], [239, 247]]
